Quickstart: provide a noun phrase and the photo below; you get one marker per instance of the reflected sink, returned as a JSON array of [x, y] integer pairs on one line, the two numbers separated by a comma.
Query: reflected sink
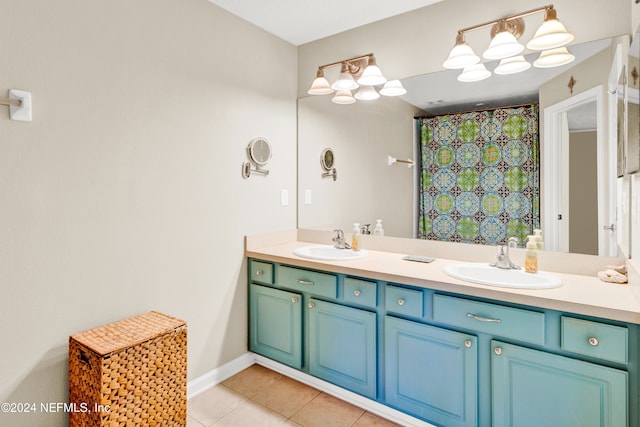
[[328, 253], [484, 274]]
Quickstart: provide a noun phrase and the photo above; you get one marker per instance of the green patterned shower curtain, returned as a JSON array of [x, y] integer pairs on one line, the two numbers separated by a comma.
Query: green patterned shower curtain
[[479, 180]]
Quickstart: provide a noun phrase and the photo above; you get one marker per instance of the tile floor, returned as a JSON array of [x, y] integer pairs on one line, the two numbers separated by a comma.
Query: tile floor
[[260, 397]]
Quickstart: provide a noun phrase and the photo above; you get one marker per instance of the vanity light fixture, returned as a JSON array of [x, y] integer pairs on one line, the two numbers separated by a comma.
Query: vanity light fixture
[[549, 37], [360, 72]]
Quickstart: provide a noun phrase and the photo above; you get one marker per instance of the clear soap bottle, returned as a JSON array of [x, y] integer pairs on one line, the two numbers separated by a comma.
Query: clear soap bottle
[[378, 230], [537, 237], [531, 256], [356, 237]]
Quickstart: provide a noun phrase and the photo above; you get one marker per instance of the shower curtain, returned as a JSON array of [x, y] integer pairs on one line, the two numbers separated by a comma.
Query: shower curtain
[[479, 177]]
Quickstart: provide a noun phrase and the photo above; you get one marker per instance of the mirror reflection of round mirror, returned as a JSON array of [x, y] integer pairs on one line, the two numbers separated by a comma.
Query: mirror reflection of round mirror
[[327, 159], [259, 151]]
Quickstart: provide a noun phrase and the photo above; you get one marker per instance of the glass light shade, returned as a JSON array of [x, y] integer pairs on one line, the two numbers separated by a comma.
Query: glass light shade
[[367, 93], [474, 73], [461, 55], [393, 88], [554, 58], [345, 82], [320, 86], [343, 97], [550, 34], [503, 45], [372, 76], [515, 64]]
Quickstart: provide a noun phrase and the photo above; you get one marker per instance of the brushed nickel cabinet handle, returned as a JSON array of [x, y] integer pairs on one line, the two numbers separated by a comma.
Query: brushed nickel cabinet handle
[[305, 282], [356, 292], [468, 343], [594, 341], [311, 305], [483, 319], [259, 273], [497, 351], [294, 300], [400, 301]]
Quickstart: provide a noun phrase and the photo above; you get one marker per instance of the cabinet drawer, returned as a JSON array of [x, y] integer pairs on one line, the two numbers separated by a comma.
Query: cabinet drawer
[[404, 301], [519, 324], [312, 282], [261, 271], [361, 292], [595, 339]]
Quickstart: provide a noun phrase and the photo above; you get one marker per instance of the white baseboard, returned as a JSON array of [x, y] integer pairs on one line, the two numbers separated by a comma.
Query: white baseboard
[[221, 373], [227, 370]]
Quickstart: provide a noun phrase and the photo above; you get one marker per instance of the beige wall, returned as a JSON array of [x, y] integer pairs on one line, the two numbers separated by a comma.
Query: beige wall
[[125, 193]]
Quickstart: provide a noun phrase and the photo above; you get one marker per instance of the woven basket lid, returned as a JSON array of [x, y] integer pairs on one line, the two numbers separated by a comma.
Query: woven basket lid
[[126, 333]]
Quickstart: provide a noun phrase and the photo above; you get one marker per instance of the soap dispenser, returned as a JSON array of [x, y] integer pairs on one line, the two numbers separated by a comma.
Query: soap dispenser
[[531, 256], [378, 231], [356, 236], [537, 236]]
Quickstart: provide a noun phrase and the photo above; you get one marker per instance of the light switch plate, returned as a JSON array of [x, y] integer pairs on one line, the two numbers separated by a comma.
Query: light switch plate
[[284, 197], [307, 197]]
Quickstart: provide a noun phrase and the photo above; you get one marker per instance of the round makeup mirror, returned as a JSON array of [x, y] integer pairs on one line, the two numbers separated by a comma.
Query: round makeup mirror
[[327, 159], [259, 151]]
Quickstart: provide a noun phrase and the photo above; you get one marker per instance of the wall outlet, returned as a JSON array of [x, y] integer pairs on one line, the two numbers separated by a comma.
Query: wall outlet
[[307, 197], [284, 197]]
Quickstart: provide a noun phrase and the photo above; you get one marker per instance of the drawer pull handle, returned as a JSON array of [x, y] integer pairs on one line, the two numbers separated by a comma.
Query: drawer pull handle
[[483, 319], [400, 301], [356, 292], [497, 351], [305, 282], [311, 305], [594, 341], [467, 343], [259, 273], [294, 300]]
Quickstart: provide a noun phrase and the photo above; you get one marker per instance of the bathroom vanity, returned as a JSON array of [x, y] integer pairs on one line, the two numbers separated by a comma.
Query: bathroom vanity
[[445, 351]]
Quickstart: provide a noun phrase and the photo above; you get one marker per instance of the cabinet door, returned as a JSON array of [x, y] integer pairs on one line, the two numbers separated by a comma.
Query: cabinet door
[[533, 388], [431, 372], [275, 324], [342, 346]]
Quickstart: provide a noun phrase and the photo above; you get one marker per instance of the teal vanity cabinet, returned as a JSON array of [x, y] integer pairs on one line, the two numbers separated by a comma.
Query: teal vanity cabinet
[[449, 359], [532, 388], [275, 324], [342, 346], [303, 321], [431, 372]]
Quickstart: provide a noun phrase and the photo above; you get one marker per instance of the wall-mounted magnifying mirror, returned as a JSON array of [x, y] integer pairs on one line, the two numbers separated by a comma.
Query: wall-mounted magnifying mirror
[[259, 153], [327, 161]]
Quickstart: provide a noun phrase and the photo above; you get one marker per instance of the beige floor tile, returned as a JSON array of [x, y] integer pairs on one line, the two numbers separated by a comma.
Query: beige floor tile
[[372, 420], [290, 423], [192, 422], [252, 380], [327, 411], [286, 396], [213, 404], [251, 414]]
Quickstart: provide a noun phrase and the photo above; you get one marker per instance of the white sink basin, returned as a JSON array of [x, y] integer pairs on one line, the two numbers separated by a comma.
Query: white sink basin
[[328, 253], [484, 274]]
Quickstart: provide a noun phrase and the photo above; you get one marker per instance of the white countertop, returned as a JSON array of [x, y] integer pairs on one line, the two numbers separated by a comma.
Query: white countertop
[[579, 294]]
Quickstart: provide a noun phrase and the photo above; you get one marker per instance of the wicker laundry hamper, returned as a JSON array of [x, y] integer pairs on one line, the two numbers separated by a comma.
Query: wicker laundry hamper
[[129, 373]]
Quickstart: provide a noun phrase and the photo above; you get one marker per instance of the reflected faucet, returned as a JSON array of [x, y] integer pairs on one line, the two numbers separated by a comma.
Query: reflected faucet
[[502, 260], [339, 241]]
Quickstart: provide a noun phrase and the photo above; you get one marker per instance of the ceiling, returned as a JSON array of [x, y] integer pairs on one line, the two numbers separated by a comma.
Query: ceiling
[[300, 21]]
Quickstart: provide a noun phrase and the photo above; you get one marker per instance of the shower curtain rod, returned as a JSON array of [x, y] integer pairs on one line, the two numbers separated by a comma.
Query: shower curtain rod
[[429, 116]]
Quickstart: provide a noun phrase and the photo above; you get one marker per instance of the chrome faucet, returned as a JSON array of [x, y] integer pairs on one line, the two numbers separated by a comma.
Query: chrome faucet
[[503, 260], [339, 241]]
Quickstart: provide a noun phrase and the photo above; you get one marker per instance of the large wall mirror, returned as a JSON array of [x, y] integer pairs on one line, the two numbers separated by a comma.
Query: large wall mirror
[[364, 134]]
